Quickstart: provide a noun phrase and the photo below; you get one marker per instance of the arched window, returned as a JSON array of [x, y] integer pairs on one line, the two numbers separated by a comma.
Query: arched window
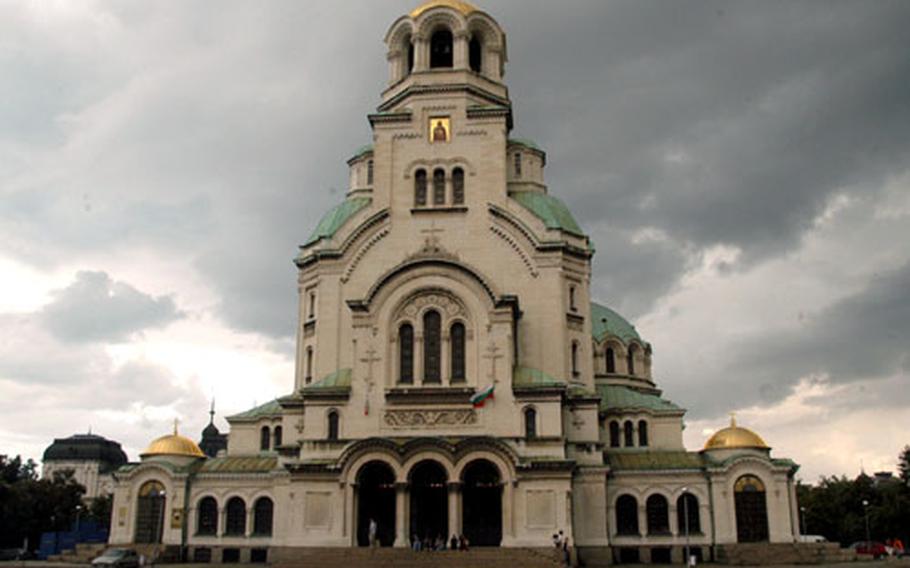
[[207, 523], [627, 515], [441, 49], [420, 188], [610, 356], [410, 55], [475, 55], [235, 523], [312, 314], [439, 187], [457, 336], [751, 509], [406, 353], [458, 186], [432, 364], [277, 435], [628, 431], [614, 434], [530, 423], [643, 433], [150, 512], [332, 425], [517, 163], [309, 364], [630, 359], [265, 438], [658, 515], [370, 172], [262, 516], [574, 359], [687, 508]]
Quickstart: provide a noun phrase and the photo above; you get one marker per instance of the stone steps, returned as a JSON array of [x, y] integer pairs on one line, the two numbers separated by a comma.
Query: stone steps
[[404, 558], [84, 553], [763, 553]]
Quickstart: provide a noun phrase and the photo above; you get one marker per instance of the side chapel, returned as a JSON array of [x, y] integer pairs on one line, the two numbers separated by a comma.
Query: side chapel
[[453, 374]]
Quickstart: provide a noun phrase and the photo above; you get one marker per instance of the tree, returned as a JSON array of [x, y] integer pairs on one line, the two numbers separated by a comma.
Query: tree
[[903, 465], [30, 506]]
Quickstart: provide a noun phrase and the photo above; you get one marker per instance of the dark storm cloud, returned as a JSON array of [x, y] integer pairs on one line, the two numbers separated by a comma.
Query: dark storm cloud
[[95, 308], [861, 340], [223, 134], [719, 123]]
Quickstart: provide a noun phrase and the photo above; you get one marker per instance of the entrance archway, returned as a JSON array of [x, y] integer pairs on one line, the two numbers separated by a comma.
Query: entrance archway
[[429, 500], [376, 501], [482, 504], [150, 513], [751, 509]]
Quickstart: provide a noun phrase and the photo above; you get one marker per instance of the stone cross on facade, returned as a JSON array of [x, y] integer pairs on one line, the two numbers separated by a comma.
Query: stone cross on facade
[[370, 358], [299, 425], [431, 242], [493, 354]]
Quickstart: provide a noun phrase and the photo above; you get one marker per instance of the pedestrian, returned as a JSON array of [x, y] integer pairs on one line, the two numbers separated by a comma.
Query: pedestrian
[[566, 551], [374, 528], [415, 543], [453, 543], [463, 543]]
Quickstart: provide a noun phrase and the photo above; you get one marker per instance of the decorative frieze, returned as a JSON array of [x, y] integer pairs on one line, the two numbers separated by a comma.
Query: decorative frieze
[[430, 418]]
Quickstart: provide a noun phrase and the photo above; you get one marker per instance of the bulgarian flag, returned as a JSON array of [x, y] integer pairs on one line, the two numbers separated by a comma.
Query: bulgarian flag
[[480, 398]]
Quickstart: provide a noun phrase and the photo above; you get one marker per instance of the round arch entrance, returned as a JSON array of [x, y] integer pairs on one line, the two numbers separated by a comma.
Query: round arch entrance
[[482, 503], [150, 513], [429, 500], [751, 509], [376, 501]]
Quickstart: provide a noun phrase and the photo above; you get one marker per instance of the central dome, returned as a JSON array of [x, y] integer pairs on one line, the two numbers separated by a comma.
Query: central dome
[[173, 445], [464, 7], [734, 436]]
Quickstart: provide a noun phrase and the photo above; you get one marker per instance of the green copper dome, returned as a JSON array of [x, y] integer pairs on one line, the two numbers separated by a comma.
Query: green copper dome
[[605, 321]]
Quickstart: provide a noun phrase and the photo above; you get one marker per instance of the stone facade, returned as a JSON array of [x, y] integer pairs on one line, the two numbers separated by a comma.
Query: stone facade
[[447, 274]]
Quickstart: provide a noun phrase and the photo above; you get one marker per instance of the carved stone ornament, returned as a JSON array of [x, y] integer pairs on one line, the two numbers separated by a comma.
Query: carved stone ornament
[[446, 303], [430, 418]]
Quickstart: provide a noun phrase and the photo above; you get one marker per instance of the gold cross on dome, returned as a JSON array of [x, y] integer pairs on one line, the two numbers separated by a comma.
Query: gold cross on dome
[[176, 422]]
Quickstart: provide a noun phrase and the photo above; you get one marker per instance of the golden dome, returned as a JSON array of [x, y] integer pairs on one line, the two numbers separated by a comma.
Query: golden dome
[[735, 436], [458, 5], [173, 445]]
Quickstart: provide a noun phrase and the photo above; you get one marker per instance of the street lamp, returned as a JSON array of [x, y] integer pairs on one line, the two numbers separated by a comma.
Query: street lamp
[[802, 517], [78, 514], [685, 491], [866, 516]]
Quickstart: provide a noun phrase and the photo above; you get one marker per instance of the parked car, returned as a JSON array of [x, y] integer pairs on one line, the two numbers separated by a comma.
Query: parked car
[[874, 549], [812, 538], [117, 558]]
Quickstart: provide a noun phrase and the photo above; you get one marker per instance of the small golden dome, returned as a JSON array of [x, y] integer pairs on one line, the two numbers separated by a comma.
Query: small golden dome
[[464, 7], [173, 445], [735, 436]]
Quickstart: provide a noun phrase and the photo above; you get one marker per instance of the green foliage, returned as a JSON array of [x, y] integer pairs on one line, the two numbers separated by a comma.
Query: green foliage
[[903, 465], [834, 507], [100, 510], [30, 506]]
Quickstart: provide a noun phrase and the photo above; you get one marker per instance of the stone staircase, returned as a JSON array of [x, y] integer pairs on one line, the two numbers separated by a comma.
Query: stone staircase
[[405, 558], [84, 553], [762, 553]]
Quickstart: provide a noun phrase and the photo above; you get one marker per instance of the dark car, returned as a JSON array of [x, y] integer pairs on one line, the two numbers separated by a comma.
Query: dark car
[[874, 549], [117, 558], [7, 554]]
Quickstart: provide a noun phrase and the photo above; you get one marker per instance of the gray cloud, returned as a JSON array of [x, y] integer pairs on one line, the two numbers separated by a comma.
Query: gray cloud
[[97, 308]]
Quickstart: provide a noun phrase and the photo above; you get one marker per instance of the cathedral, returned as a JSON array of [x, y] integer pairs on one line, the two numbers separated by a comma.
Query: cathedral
[[453, 374]]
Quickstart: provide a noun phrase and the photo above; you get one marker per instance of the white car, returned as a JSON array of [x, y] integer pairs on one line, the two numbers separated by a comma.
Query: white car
[[117, 558]]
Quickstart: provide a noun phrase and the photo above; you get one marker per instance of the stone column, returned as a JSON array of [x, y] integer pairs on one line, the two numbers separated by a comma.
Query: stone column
[[401, 524], [421, 54], [460, 50], [508, 503], [454, 508], [445, 375], [418, 358]]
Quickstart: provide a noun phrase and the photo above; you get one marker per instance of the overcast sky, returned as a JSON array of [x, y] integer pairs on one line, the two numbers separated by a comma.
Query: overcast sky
[[743, 168]]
